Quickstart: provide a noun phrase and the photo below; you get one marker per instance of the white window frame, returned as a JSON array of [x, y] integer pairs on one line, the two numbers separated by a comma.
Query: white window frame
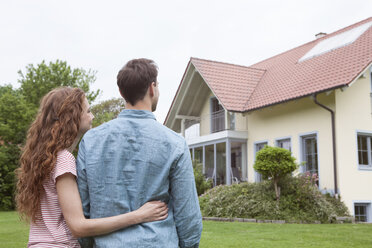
[[214, 129], [257, 175], [232, 121], [368, 205], [368, 134], [283, 139], [302, 155]]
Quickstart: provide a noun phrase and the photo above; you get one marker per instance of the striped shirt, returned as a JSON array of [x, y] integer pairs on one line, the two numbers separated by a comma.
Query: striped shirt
[[51, 230]]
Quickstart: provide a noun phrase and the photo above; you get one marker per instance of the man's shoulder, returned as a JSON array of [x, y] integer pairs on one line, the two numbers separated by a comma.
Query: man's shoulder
[[169, 134], [99, 130]]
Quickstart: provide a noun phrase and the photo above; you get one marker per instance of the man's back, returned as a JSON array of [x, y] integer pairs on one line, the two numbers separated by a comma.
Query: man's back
[[132, 160]]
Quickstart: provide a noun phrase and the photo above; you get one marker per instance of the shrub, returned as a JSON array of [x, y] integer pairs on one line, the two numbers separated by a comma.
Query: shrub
[[275, 163], [201, 183], [300, 201]]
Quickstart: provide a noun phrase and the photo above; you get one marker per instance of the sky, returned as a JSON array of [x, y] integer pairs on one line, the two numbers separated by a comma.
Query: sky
[[104, 35]]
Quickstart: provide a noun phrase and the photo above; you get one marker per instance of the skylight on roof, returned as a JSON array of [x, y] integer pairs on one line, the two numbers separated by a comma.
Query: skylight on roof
[[337, 41]]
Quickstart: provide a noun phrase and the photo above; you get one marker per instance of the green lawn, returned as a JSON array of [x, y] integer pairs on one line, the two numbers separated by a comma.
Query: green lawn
[[14, 234], [236, 234]]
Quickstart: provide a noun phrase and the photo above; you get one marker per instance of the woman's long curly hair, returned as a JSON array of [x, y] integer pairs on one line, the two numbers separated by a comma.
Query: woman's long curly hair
[[55, 128]]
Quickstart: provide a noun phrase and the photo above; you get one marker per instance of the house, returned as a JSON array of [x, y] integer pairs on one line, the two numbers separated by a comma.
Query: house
[[315, 100]]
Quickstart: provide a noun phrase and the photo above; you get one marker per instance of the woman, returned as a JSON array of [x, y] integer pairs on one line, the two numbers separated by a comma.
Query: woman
[[47, 192]]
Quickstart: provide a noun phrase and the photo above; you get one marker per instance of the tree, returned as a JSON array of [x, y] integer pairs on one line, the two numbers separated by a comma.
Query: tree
[[39, 80], [9, 157], [18, 108], [15, 117], [274, 163], [107, 110]]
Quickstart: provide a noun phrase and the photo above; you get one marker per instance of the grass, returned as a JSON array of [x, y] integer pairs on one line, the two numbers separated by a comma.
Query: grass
[[237, 234], [14, 234]]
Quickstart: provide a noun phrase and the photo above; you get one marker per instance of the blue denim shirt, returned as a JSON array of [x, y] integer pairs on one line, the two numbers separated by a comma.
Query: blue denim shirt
[[129, 161]]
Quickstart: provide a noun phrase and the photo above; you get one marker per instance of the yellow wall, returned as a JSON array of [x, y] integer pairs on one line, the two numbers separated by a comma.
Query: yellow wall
[[240, 122], [352, 114], [293, 119], [296, 118], [205, 119], [353, 107]]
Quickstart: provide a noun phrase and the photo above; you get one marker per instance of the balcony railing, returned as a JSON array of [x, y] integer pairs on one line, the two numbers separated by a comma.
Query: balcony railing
[[213, 123], [218, 121]]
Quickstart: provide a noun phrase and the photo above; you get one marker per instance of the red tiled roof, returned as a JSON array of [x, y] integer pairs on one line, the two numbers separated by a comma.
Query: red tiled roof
[[283, 77], [232, 84]]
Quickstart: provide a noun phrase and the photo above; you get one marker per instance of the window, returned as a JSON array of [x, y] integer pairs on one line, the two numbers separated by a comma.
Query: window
[[310, 154], [284, 143], [217, 116], [232, 120], [336, 41], [361, 212], [365, 151], [258, 147]]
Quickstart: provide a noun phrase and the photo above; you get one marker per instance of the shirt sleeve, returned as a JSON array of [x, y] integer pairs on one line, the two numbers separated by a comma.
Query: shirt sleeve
[[185, 202], [86, 242], [65, 164]]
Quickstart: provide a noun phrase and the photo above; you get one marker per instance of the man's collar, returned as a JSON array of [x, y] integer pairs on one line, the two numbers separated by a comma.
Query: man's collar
[[137, 114]]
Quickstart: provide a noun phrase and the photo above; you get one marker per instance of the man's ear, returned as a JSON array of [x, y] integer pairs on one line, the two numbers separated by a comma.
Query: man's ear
[[152, 89], [121, 94]]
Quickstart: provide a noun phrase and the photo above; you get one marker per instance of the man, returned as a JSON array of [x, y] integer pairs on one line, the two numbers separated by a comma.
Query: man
[[133, 159]]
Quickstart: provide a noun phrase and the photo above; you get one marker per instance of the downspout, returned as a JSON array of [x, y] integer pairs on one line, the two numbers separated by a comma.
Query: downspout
[[333, 141]]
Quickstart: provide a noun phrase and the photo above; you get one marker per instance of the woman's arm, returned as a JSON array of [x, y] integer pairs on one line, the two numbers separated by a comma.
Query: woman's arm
[[69, 200]]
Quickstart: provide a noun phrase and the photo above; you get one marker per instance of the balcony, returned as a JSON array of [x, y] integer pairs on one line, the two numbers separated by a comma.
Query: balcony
[[221, 150], [213, 127]]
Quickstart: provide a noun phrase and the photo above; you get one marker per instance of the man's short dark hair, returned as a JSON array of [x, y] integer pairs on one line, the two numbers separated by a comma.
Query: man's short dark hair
[[135, 78]]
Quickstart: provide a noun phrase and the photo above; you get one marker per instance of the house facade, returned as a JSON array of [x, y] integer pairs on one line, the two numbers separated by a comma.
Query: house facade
[[314, 100]]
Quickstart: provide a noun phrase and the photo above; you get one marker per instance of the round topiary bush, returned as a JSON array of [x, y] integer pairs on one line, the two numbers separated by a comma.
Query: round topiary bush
[[274, 163]]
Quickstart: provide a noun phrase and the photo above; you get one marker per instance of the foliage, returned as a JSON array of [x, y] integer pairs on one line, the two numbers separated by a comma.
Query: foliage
[[107, 110], [18, 108], [15, 117], [202, 184], [300, 200], [274, 163], [39, 80], [9, 155], [340, 207]]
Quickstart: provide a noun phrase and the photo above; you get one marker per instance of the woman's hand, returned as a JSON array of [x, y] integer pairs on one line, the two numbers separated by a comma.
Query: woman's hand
[[152, 211], [70, 202]]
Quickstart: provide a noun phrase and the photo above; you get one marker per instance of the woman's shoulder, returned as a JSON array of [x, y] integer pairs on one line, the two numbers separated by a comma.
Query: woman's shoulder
[[65, 155], [65, 164]]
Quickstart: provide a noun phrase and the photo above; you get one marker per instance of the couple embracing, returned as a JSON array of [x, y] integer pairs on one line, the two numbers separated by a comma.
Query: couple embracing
[[132, 183]]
